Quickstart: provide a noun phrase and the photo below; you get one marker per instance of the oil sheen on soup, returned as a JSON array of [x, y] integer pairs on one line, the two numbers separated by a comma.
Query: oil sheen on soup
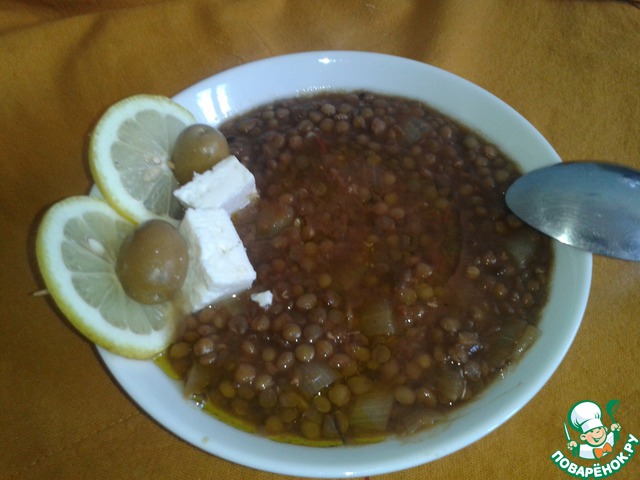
[[400, 282]]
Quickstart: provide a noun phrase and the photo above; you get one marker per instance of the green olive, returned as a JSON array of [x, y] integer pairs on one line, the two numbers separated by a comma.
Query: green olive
[[152, 262], [198, 148]]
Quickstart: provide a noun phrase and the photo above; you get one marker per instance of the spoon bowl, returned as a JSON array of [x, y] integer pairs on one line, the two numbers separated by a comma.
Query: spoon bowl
[[593, 206]]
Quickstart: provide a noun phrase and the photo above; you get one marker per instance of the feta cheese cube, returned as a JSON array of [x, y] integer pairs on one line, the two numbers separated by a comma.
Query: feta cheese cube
[[264, 299], [227, 185], [218, 262]]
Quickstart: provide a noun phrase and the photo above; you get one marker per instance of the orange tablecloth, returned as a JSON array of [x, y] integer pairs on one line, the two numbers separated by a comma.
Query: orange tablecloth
[[571, 67]]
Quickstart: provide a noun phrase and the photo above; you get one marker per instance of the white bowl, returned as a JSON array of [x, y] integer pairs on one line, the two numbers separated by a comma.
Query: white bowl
[[240, 89]]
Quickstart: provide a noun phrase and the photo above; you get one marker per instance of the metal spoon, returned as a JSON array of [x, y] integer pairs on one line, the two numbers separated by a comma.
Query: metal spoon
[[593, 206]]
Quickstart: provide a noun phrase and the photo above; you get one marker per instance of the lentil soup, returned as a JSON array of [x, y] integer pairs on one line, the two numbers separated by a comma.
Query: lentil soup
[[401, 283]]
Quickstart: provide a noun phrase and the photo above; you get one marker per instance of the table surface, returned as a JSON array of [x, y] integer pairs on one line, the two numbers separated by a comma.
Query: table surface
[[571, 67]]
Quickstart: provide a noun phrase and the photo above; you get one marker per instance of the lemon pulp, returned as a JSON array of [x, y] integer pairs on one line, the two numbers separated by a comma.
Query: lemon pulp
[[77, 247], [130, 154]]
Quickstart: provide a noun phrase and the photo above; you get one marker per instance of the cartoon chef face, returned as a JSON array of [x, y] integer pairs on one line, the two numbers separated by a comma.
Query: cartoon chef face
[[585, 417], [595, 437]]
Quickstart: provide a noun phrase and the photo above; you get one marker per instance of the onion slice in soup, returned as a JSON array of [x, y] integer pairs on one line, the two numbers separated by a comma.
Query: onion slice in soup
[[376, 318], [372, 410], [197, 380], [314, 377]]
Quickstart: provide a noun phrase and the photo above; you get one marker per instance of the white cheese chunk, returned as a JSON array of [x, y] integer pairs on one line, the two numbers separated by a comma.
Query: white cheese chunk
[[227, 185], [264, 299], [218, 262]]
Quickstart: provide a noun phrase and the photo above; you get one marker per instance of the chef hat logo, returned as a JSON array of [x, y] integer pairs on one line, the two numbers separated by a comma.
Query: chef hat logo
[[585, 416]]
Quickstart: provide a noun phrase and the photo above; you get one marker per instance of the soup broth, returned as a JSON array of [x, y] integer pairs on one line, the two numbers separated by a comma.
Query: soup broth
[[400, 282]]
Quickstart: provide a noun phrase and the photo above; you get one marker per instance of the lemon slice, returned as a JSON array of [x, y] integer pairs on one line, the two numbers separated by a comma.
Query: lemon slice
[[129, 155], [77, 245]]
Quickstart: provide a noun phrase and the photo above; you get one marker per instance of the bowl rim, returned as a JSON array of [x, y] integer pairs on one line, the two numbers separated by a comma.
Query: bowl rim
[[510, 131]]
